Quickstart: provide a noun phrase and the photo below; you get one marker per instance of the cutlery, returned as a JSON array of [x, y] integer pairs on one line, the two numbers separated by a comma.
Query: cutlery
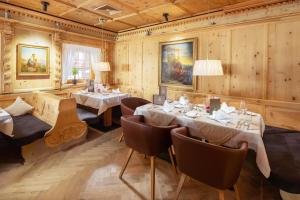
[[238, 124]]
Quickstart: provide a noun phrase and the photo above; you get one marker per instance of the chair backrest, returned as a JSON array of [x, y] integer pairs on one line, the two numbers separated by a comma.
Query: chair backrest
[[214, 165], [129, 104], [145, 138]]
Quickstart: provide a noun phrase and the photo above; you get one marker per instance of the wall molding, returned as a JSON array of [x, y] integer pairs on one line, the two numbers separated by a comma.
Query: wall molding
[[7, 36], [24, 16], [229, 16]]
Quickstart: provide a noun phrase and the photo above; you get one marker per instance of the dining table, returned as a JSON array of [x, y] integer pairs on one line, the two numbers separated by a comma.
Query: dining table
[[230, 130], [103, 102]]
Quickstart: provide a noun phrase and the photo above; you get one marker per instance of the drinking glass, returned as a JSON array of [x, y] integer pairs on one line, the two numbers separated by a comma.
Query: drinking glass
[[243, 107]]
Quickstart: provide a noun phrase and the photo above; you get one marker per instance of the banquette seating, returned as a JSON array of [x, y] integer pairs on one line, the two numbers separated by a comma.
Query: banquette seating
[[283, 150], [52, 126], [86, 115]]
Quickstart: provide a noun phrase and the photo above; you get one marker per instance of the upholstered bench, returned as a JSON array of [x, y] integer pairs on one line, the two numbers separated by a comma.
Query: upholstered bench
[[52, 126], [9, 152], [283, 150], [85, 115], [28, 128]]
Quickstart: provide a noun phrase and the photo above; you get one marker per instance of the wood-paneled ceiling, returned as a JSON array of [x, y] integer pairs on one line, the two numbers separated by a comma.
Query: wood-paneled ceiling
[[133, 13]]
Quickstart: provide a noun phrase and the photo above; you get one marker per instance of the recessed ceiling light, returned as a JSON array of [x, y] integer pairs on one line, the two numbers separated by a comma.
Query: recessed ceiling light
[[45, 5]]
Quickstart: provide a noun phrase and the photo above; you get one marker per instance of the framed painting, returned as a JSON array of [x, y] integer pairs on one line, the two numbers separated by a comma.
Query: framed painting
[[32, 62], [176, 63]]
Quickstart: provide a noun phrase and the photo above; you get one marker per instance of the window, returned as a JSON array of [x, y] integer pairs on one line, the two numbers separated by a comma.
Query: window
[[80, 57]]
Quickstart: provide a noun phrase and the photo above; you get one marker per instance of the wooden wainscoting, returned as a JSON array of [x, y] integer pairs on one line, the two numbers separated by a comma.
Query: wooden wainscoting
[[260, 59]]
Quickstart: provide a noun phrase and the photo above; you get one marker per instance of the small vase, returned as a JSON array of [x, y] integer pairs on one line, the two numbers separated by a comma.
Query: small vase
[[74, 81]]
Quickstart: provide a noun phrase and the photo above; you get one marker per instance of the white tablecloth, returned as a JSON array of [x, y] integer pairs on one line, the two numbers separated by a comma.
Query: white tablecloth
[[100, 101], [214, 131], [6, 123]]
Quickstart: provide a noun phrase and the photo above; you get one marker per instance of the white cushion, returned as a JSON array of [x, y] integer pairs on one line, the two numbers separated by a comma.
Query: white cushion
[[19, 107]]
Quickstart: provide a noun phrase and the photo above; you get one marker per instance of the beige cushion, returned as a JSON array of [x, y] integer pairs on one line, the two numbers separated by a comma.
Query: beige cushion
[[19, 107]]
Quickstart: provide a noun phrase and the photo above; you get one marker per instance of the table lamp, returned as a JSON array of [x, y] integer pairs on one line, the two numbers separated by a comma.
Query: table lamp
[[98, 68], [208, 68]]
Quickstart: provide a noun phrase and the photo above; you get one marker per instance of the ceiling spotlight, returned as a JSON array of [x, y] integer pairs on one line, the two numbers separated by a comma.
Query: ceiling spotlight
[[101, 21], [148, 33], [45, 5], [166, 17]]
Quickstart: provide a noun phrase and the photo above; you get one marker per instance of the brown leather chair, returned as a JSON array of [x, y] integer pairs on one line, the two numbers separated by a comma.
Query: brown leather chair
[[217, 166], [146, 139], [128, 106]]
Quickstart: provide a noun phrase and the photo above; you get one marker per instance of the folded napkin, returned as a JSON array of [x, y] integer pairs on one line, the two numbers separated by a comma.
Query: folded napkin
[[100, 87], [4, 115], [220, 116], [192, 114], [251, 113], [6, 123], [227, 109], [116, 91], [183, 100], [167, 107], [84, 91]]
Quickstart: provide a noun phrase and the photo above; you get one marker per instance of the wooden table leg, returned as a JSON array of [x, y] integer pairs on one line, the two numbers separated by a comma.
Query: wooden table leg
[[108, 117]]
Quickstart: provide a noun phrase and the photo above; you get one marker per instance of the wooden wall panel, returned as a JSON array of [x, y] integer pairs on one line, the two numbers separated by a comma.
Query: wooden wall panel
[[283, 117], [121, 73], [13, 34], [261, 62], [135, 63], [284, 61], [247, 60], [150, 69], [215, 45]]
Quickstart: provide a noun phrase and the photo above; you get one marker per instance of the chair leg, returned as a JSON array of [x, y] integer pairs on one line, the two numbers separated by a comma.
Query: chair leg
[[172, 159], [152, 177], [173, 150], [126, 163], [121, 138], [180, 184], [237, 194], [221, 195]]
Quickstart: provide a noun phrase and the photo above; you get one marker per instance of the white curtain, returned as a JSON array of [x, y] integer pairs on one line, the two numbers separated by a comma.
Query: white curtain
[[70, 54]]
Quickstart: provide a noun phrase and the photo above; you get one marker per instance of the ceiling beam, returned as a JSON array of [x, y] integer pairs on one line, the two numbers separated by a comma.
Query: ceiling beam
[[131, 9], [250, 4], [79, 7], [176, 3], [76, 7]]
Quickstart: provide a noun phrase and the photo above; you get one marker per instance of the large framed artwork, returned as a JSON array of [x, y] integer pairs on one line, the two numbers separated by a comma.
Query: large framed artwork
[[32, 62], [176, 63]]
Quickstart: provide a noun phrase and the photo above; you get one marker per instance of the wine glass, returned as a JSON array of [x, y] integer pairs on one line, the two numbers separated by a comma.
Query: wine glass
[[243, 110], [243, 107]]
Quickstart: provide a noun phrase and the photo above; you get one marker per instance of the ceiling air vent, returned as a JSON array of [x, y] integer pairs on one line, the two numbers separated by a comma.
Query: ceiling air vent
[[108, 9]]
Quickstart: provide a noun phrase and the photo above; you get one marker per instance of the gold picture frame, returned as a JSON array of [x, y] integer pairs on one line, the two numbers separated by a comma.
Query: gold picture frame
[[33, 62], [176, 59]]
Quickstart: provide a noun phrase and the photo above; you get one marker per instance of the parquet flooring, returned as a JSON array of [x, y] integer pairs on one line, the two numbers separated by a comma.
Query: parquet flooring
[[90, 172]]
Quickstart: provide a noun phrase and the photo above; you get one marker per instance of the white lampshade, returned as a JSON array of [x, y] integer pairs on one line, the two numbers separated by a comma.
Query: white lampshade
[[101, 67], [98, 68], [208, 68]]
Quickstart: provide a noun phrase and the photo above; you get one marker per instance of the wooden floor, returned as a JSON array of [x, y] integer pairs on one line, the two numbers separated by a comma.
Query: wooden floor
[[90, 171]]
